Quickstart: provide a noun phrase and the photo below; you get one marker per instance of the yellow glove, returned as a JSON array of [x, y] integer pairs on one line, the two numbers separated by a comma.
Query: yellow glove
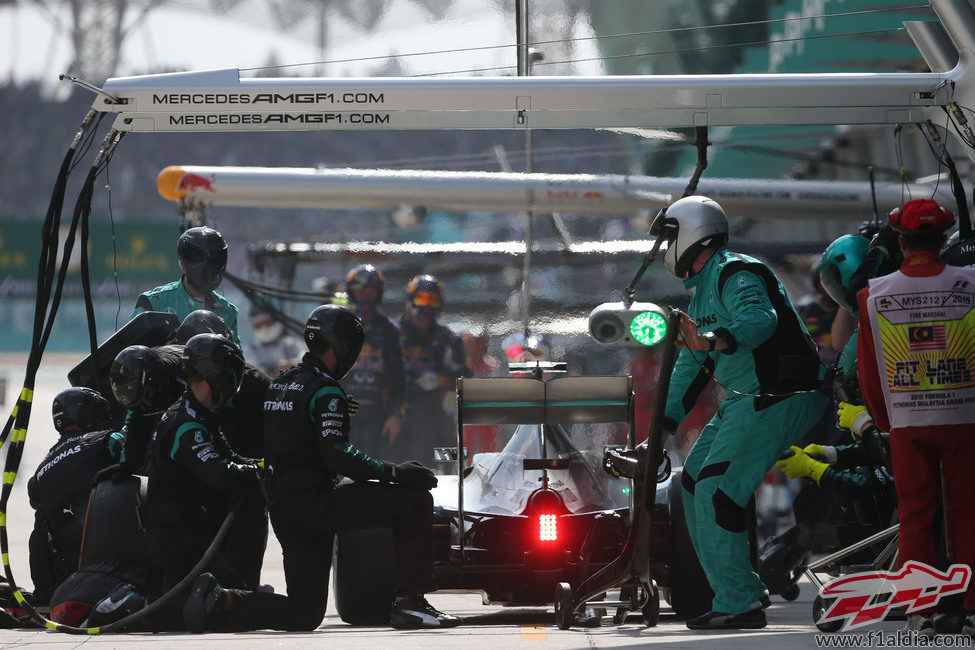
[[847, 413], [825, 452], [800, 465], [814, 450]]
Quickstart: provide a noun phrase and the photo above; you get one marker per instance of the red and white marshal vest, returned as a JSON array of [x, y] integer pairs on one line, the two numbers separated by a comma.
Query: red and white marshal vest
[[924, 337]]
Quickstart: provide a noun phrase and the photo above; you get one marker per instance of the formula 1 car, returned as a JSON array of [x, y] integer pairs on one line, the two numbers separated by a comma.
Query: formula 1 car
[[516, 523]]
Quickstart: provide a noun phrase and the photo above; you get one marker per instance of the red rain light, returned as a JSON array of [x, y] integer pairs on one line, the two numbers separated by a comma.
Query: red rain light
[[548, 530]]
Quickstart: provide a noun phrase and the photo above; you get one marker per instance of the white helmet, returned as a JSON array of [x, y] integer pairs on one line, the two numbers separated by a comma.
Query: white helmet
[[690, 225]]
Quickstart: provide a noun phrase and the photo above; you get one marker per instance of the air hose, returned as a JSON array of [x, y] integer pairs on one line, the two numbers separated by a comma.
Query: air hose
[[657, 225], [45, 311], [152, 607]]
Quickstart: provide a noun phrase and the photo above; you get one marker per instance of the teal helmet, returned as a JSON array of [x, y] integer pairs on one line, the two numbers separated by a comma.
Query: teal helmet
[[839, 262]]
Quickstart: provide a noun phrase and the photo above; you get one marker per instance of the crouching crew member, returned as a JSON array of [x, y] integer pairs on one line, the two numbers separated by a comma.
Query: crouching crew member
[[59, 489], [306, 426], [189, 466]]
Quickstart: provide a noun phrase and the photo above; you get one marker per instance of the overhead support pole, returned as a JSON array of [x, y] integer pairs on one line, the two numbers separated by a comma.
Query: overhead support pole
[[933, 42], [524, 70], [958, 19]]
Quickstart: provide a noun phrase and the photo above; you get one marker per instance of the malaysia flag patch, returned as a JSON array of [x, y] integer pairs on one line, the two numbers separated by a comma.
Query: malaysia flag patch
[[927, 338]]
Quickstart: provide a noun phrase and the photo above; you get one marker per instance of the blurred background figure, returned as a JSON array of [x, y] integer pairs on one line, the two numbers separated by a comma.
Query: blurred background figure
[[482, 363], [527, 349], [434, 358], [273, 349], [377, 380], [817, 311]]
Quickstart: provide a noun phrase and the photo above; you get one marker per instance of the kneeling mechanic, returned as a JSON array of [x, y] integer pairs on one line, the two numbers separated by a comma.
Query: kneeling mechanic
[[306, 441]]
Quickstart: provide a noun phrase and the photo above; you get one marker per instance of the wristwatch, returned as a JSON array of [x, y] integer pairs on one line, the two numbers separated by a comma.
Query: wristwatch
[[712, 340]]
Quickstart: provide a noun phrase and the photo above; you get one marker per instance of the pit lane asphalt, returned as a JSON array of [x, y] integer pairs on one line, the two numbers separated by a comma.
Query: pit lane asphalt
[[485, 627]]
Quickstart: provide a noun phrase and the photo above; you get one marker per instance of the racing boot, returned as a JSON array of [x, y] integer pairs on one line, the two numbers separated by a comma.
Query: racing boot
[[206, 595], [753, 619], [415, 612]]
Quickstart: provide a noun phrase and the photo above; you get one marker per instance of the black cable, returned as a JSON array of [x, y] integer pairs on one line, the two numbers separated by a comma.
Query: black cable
[[257, 297], [111, 217], [701, 144], [900, 160], [289, 294], [44, 305]]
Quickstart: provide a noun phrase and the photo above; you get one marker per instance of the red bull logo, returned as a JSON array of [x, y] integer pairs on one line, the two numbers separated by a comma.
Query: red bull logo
[[864, 598], [192, 182]]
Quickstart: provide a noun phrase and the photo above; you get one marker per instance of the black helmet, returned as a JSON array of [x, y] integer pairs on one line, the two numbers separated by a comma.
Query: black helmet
[[958, 251], [83, 408], [202, 321], [202, 255], [365, 275], [141, 381], [217, 361], [332, 326]]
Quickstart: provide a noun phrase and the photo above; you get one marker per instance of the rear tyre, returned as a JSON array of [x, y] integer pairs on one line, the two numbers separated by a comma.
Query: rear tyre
[[563, 605], [363, 576], [690, 593]]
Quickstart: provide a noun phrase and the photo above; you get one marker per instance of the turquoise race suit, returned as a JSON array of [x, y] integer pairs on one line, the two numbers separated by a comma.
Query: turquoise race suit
[[173, 298], [770, 371]]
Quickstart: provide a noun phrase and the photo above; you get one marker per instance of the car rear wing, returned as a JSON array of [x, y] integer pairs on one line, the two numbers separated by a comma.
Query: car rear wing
[[519, 400], [564, 400]]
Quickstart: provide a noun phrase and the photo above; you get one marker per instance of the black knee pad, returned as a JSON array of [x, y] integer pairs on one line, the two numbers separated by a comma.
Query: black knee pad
[[687, 482], [728, 514], [714, 469]]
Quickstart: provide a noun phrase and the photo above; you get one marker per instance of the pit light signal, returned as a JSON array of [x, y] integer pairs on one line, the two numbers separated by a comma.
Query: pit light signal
[[643, 324]]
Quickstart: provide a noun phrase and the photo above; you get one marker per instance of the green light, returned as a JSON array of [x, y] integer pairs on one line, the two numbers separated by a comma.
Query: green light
[[648, 328], [625, 490]]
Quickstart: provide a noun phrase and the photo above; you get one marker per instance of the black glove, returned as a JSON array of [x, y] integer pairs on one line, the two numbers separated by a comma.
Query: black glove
[[412, 473], [886, 239], [624, 463], [115, 472], [352, 405]]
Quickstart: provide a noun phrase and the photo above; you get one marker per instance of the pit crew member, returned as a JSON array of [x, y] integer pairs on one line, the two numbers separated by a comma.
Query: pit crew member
[[59, 489], [306, 426], [741, 330], [202, 256]]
